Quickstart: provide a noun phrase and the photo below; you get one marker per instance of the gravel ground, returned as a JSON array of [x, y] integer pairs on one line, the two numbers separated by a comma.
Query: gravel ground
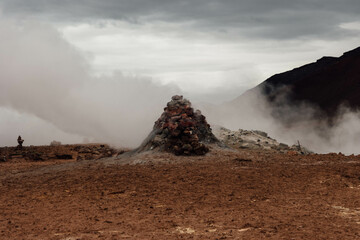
[[226, 194]]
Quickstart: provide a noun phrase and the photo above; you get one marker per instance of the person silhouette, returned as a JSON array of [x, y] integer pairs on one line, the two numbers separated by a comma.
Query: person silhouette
[[20, 141]]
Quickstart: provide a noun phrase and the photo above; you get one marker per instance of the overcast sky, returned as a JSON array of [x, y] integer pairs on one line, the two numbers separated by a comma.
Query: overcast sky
[[201, 45], [210, 50]]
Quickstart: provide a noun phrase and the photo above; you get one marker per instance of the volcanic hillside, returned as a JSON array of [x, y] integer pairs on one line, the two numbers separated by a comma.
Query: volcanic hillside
[[326, 84]]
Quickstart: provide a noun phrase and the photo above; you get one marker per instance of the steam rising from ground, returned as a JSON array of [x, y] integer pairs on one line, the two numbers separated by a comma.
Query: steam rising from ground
[[45, 77], [252, 111], [46, 93]]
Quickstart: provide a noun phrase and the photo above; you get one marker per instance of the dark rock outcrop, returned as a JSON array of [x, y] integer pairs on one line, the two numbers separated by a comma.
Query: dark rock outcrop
[[327, 84], [323, 87]]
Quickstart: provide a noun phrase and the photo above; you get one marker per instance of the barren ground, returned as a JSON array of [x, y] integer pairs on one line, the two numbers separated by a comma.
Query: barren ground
[[223, 195]]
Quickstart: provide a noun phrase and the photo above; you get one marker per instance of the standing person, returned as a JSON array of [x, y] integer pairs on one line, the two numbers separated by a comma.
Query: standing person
[[20, 141]]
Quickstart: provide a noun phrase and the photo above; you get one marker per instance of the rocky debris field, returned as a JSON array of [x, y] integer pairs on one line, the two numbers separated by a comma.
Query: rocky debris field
[[257, 140], [57, 152], [180, 130], [226, 194]]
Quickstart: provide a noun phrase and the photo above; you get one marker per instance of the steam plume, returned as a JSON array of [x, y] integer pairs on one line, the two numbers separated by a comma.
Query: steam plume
[[44, 76]]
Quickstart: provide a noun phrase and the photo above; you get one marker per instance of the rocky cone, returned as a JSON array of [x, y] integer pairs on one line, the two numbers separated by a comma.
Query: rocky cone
[[180, 130]]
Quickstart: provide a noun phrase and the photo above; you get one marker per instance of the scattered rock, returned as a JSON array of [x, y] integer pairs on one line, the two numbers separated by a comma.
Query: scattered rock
[[34, 156], [55, 143], [64, 156], [242, 160], [283, 146]]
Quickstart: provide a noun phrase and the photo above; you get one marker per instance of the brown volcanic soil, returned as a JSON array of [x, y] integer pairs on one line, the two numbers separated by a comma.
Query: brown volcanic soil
[[223, 195], [60, 152]]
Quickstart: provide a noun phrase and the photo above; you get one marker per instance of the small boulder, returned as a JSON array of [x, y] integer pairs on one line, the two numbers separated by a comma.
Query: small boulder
[[55, 143]]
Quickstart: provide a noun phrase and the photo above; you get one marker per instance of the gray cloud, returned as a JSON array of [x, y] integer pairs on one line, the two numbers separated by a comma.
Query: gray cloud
[[276, 19]]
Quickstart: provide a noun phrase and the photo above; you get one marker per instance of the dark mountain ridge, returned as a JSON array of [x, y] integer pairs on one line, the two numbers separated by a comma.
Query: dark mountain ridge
[[327, 84]]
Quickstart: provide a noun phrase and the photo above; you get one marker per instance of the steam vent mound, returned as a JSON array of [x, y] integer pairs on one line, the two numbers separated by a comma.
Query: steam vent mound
[[180, 130]]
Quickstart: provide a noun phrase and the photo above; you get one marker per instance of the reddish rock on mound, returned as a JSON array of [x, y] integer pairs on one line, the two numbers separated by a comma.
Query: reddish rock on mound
[[180, 130]]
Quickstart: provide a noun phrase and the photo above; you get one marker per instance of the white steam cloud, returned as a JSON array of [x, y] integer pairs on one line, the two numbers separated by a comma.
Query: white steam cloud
[[43, 76], [252, 111]]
